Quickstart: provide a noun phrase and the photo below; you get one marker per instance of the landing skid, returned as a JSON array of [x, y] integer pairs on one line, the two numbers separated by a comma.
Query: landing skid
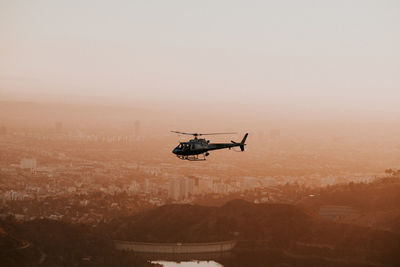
[[193, 157]]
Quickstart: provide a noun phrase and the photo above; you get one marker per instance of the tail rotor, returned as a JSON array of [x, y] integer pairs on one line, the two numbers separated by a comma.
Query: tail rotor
[[242, 143]]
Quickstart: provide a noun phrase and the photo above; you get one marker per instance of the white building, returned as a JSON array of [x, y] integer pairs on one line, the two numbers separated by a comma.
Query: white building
[[250, 183], [134, 188]]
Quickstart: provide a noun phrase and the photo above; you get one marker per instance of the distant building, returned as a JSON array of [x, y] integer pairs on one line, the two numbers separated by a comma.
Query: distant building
[[19, 217], [13, 195], [204, 186], [147, 186], [28, 163], [134, 188], [329, 180], [189, 186], [249, 183], [3, 129], [174, 191]]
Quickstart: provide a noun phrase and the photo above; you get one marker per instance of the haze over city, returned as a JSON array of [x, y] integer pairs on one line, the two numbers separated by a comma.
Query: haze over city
[[91, 90], [304, 55]]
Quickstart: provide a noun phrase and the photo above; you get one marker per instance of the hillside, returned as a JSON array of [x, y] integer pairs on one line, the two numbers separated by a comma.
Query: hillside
[[275, 233], [377, 203], [14, 252], [52, 243], [259, 226], [193, 223]]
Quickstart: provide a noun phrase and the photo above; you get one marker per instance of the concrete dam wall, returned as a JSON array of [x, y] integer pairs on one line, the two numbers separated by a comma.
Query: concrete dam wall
[[176, 248]]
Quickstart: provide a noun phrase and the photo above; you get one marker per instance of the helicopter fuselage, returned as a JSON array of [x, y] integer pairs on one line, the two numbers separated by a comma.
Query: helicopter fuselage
[[199, 146]]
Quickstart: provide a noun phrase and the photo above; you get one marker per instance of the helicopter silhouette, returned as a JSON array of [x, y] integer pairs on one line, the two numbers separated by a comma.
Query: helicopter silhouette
[[199, 146]]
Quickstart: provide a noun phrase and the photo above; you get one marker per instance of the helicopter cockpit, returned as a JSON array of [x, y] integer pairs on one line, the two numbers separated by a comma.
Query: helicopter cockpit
[[181, 148]]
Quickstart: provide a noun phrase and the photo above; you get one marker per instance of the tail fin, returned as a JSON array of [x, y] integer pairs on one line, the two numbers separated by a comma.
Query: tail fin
[[242, 144]]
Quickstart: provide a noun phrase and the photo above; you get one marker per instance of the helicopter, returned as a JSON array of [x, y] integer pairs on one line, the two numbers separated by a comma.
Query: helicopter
[[199, 146]]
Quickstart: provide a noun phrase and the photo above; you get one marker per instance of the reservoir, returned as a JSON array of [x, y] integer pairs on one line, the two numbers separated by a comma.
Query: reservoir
[[175, 248], [193, 263]]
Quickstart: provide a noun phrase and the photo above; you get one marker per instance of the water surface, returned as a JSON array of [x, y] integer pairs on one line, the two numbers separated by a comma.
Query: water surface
[[188, 263]]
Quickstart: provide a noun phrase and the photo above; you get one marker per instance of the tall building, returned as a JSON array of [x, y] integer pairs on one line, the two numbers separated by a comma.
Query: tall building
[[189, 184], [205, 185], [182, 188], [147, 185], [134, 188]]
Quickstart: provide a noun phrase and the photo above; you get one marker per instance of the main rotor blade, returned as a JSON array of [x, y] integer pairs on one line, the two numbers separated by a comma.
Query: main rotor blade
[[184, 133], [200, 134], [215, 133]]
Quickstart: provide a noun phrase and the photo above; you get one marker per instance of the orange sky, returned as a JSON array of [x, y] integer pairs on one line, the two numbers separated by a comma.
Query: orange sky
[[337, 57]]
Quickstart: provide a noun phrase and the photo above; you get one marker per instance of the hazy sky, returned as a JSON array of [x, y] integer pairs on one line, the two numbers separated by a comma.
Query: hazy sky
[[324, 54]]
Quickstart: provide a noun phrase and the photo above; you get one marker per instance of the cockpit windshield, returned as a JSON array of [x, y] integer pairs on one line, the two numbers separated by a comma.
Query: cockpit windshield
[[183, 146]]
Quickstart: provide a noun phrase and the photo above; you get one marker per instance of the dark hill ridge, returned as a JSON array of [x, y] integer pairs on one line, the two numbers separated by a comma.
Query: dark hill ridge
[[193, 223], [280, 227]]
